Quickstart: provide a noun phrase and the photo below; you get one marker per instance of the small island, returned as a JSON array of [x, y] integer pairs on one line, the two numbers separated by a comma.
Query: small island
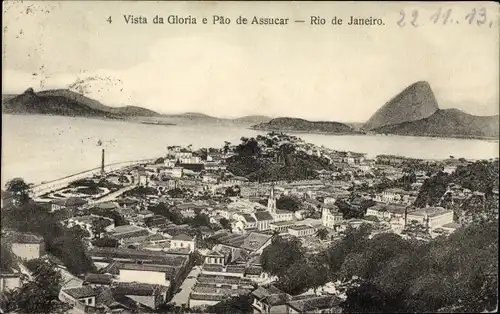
[[156, 123], [304, 126]]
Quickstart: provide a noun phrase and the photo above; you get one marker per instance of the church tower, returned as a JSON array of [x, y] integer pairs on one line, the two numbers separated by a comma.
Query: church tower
[[271, 202]]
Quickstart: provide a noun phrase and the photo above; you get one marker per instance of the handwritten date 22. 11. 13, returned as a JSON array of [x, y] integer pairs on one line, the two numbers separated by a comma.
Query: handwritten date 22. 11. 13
[[477, 17]]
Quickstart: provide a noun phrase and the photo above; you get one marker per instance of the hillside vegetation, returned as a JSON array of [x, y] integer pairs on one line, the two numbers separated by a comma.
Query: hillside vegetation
[[301, 125]]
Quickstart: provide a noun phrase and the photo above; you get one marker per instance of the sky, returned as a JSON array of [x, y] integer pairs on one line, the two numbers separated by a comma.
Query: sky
[[317, 72]]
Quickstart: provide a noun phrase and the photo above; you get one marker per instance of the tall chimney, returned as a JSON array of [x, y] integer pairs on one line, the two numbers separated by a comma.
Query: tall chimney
[[102, 164]]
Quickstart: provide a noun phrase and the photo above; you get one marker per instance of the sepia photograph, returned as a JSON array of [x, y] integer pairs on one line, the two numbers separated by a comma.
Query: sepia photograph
[[240, 157]]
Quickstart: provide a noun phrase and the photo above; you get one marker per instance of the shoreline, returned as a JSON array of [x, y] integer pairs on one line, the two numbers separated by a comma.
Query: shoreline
[[306, 132], [463, 137]]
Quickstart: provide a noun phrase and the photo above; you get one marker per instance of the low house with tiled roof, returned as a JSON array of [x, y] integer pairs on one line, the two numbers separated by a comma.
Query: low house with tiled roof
[[71, 203], [183, 241], [85, 295], [248, 220], [143, 266], [302, 230], [270, 300], [131, 297], [146, 273], [26, 246], [211, 289], [151, 296], [315, 304], [107, 206], [221, 270], [106, 255], [282, 226], [255, 243], [10, 281], [98, 280], [264, 220], [213, 257], [128, 231], [128, 202]]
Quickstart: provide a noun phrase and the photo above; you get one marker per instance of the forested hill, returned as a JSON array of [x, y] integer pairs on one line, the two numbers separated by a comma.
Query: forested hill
[[264, 159], [301, 125]]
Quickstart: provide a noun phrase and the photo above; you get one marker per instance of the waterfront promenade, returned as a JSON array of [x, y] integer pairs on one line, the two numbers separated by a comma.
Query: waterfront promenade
[[54, 185]]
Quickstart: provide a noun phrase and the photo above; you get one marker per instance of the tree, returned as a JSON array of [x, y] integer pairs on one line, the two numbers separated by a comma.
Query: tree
[[241, 304], [196, 258], [160, 160], [458, 273], [19, 188], [284, 151], [118, 219], [62, 243], [99, 226], [207, 243], [71, 251], [39, 295], [79, 232], [106, 242], [175, 193], [288, 203], [232, 191], [277, 257], [226, 224], [7, 261], [171, 214], [199, 220], [226, 147], [415, 230], [322, 234], [366, 298], [300, 276]]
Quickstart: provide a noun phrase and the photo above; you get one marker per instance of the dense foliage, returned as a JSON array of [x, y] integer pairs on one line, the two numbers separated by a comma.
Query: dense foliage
[[397, 275], [106, 242], [288, 203], [481, 176], [118, 219], [7, 261], [39, 295], [61, 242], [225, 223], [19, 189], [168, 212], [141, 191], [283, 163]]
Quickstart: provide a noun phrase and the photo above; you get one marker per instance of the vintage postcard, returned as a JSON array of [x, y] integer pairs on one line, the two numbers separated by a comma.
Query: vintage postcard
[[249, 157]]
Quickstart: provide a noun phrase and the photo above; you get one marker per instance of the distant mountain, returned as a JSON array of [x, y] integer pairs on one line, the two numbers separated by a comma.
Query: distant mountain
[[66, 103], [301, 125], [415, 102], [201, 118], [134, 111], [195, 117], [447, 123], [253, 119]]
